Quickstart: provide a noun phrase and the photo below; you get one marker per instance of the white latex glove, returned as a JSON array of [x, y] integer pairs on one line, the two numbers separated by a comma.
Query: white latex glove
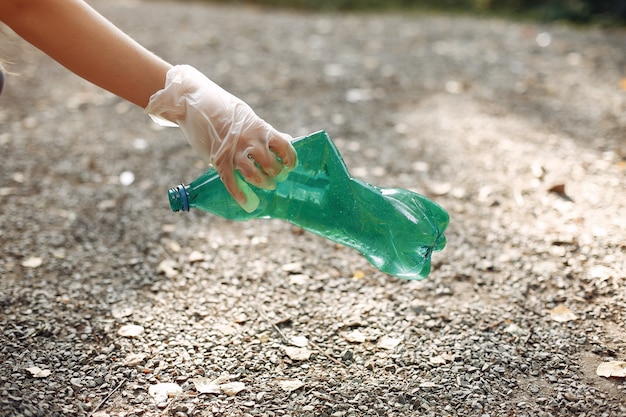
[[225, 132]]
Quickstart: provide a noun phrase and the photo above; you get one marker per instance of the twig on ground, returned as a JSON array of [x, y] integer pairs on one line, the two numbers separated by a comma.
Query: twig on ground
[[109, 395], [282, 335]]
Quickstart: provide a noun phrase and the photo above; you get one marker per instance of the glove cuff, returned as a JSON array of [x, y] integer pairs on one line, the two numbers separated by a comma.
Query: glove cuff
[[168, 107]]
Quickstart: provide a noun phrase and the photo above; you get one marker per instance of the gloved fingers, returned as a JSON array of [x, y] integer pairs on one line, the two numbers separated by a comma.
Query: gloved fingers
[[266, 161], [240, 190], [280, 144], [254, 173]]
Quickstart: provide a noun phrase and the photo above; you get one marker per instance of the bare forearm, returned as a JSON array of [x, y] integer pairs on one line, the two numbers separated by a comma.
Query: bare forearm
[[87, 44]]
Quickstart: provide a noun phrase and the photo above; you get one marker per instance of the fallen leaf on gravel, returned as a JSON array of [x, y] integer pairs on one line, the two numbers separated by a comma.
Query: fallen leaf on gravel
[[358, 274], [130, 330], [206, 386], [613, 369], [134, 359], [297, 354], [354, 336], [299, 341], [232, 388], [37, 372], [562, 314], [622, 83], [161, 392], [32, 262], [290, 385], [389, 343], [220, 384]]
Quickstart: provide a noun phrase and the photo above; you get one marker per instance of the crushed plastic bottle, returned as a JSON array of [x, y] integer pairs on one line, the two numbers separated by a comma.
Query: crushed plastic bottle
[[395, 229]]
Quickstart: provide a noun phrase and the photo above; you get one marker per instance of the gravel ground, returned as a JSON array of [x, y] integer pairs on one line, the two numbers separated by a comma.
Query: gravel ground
[[517, 129]]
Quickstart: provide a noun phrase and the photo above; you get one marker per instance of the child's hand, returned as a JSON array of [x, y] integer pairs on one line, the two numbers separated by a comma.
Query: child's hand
[[225, 131]]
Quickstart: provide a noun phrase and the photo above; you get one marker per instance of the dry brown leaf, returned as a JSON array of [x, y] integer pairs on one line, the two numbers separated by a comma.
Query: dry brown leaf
[[562, 314], [613, 369], [206, 386], [135, 359], [232, 388]]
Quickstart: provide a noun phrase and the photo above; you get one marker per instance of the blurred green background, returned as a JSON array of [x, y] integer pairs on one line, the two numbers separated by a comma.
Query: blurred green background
[[582, 11]]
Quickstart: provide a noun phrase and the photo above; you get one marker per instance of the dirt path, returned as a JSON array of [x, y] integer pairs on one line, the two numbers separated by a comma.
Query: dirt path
[[518, 130]]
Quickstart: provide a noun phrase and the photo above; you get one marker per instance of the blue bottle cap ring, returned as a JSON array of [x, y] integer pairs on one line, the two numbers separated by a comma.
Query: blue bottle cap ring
[[183, 196]]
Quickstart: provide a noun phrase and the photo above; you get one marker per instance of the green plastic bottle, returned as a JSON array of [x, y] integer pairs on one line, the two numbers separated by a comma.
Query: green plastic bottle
[[395, 229]]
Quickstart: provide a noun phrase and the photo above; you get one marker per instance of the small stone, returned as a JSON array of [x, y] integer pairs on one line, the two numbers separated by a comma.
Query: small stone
[[32, 262], [290, 385], [388, 343], [37, 372], [293, 267], [299, 341], [354, 336], [297, 354], [130, 330], [195, 256]]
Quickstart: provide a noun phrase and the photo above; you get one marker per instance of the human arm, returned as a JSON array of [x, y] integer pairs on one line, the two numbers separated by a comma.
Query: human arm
[[83, 41], [220, 127]]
